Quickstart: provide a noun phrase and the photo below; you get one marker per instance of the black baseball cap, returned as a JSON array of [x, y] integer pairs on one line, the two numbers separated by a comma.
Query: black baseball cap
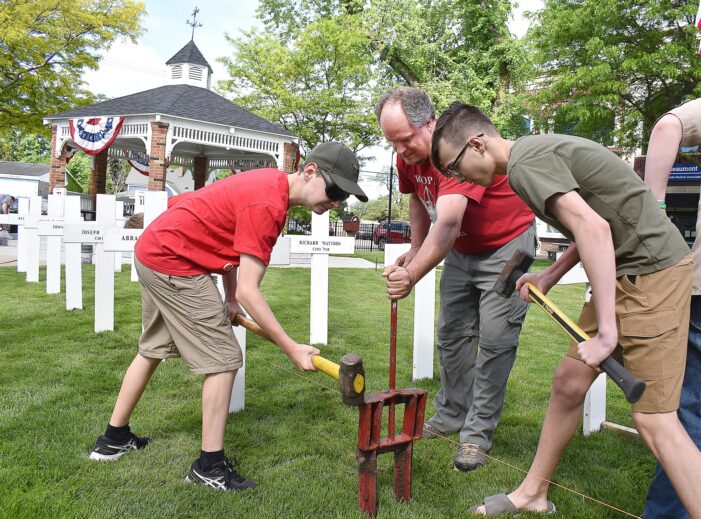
[[341, 164]]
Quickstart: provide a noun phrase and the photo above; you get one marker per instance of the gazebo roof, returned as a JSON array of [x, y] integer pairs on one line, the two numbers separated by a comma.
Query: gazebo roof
[[189, 54], [186, 101]]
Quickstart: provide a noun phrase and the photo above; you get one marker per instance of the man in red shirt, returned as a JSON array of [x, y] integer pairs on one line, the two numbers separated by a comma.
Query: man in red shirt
[[227, 228], [476, 230]]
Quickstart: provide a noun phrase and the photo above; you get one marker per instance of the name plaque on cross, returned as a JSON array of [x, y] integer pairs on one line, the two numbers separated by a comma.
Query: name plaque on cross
[[88, 232], [12, 219], [321, 245], [117, 239], [50, 226]]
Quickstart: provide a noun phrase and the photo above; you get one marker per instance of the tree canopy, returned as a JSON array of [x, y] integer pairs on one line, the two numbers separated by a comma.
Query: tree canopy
[[608, 68], [45, 45], [322, 64]]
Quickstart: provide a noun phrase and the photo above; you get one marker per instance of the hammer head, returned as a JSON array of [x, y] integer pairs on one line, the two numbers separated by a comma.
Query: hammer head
[[351, 379], [516, 267]]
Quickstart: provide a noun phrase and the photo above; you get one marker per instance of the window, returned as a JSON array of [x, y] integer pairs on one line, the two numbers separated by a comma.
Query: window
[[176, 72]]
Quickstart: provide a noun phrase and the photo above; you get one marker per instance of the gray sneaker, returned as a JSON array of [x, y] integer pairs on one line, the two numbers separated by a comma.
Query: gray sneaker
[[470, 457], [430, 432]]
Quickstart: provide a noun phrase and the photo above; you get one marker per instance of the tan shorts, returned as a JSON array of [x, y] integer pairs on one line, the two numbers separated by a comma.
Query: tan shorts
[[690, 116], [184, 316], [652, 315]]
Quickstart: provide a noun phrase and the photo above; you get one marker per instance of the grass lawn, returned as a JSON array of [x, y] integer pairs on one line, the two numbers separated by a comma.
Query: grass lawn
[[295, 438]]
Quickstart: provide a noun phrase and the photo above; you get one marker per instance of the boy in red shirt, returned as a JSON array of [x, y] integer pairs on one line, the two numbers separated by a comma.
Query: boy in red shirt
[[227, 228]]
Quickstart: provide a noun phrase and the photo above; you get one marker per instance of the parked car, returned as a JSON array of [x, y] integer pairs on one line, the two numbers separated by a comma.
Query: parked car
[[400, 233], [365, 231]]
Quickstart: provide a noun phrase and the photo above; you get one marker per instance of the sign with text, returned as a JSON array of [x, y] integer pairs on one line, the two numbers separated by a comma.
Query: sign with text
[[50, 226], [121, 240], [12, 219], [685, 173], [321, 245], [88, 232]]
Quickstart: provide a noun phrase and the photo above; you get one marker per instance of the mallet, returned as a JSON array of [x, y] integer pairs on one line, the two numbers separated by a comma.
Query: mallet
[[518, 265], [349, 373]]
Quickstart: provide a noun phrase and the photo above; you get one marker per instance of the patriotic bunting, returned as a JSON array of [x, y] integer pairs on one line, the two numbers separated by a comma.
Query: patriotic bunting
[[94, 135], [139, 165]]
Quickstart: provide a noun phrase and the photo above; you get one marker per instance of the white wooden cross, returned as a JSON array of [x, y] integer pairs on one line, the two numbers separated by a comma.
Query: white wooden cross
[[51, 227], [18, 220], [319, 244], [424, 315], [73, 256], [30, 242]]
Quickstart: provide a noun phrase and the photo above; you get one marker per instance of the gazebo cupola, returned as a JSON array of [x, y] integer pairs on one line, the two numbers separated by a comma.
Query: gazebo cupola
[[188, 67]]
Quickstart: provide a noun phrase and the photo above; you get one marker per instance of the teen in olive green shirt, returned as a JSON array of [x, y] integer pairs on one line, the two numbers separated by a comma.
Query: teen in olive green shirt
[[636, 262]]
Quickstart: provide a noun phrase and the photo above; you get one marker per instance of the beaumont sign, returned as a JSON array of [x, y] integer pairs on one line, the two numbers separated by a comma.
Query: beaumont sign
[[319, 245], [685, 173]]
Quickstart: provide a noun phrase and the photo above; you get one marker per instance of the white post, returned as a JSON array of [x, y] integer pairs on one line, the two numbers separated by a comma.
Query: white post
[[139, 203], [74, 268], [119, 220], [53, 243], [594, 413], [33, 242], [319, 297], [104, 268], [22, 212], [424, 315], [238, 392]]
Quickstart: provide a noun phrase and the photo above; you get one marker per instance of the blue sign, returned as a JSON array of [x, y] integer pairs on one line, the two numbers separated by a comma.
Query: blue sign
[[685, 173]]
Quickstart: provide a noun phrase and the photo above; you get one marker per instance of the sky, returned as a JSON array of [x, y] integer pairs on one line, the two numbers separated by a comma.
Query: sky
[[128, 67]]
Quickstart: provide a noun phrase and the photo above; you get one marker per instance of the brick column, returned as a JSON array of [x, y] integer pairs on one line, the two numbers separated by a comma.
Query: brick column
[[290, 156], [199, 175], [98, 174], [57, 170], [157, 157]]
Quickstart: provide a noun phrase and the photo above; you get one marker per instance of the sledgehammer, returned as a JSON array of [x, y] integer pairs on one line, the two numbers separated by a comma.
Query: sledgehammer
[[518, 265], [349, 373]]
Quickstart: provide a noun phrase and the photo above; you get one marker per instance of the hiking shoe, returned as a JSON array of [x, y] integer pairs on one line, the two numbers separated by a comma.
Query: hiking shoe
[[430, 432], [107, 449], [222, 476], [470, 457]]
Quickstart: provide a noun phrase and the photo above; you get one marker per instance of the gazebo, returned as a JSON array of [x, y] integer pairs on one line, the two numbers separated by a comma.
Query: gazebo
[[182, 123]]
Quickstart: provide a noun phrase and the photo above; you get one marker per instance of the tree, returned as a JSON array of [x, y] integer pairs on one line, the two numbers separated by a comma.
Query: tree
[[17, 147], [454, 49], [608, 67], [45, 45], [117, 173], [316, 85], [78, 173]]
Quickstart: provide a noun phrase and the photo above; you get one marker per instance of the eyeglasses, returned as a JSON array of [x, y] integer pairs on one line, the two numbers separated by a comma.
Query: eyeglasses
[[335, 193], [451, 170]]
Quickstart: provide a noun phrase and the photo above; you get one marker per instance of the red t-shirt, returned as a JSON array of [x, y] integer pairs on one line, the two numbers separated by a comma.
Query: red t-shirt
[[494, 215], [207, 230]]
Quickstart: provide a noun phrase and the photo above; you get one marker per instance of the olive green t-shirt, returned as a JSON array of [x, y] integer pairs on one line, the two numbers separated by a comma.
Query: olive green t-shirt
[[644, 239]]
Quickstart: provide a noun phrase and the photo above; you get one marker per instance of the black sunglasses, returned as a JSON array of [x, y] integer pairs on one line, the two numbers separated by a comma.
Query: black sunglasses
[[451, 170], [335, 193]]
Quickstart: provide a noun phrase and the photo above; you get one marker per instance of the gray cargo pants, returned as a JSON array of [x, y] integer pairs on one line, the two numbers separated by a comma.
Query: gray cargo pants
[[477, 339]]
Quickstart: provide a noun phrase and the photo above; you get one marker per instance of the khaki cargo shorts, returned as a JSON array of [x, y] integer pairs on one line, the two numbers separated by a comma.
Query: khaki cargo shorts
[[184, 316], [652, 315]]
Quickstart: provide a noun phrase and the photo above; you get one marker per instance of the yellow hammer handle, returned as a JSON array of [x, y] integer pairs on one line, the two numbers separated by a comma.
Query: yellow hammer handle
[[330, 368], [556, 314]]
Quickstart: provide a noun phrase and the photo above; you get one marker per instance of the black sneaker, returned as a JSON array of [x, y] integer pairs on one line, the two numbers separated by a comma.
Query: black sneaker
[[222, 476], [107, 449]]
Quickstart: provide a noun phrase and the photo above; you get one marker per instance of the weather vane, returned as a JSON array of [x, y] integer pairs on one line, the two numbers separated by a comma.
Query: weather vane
[[193, 23]]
